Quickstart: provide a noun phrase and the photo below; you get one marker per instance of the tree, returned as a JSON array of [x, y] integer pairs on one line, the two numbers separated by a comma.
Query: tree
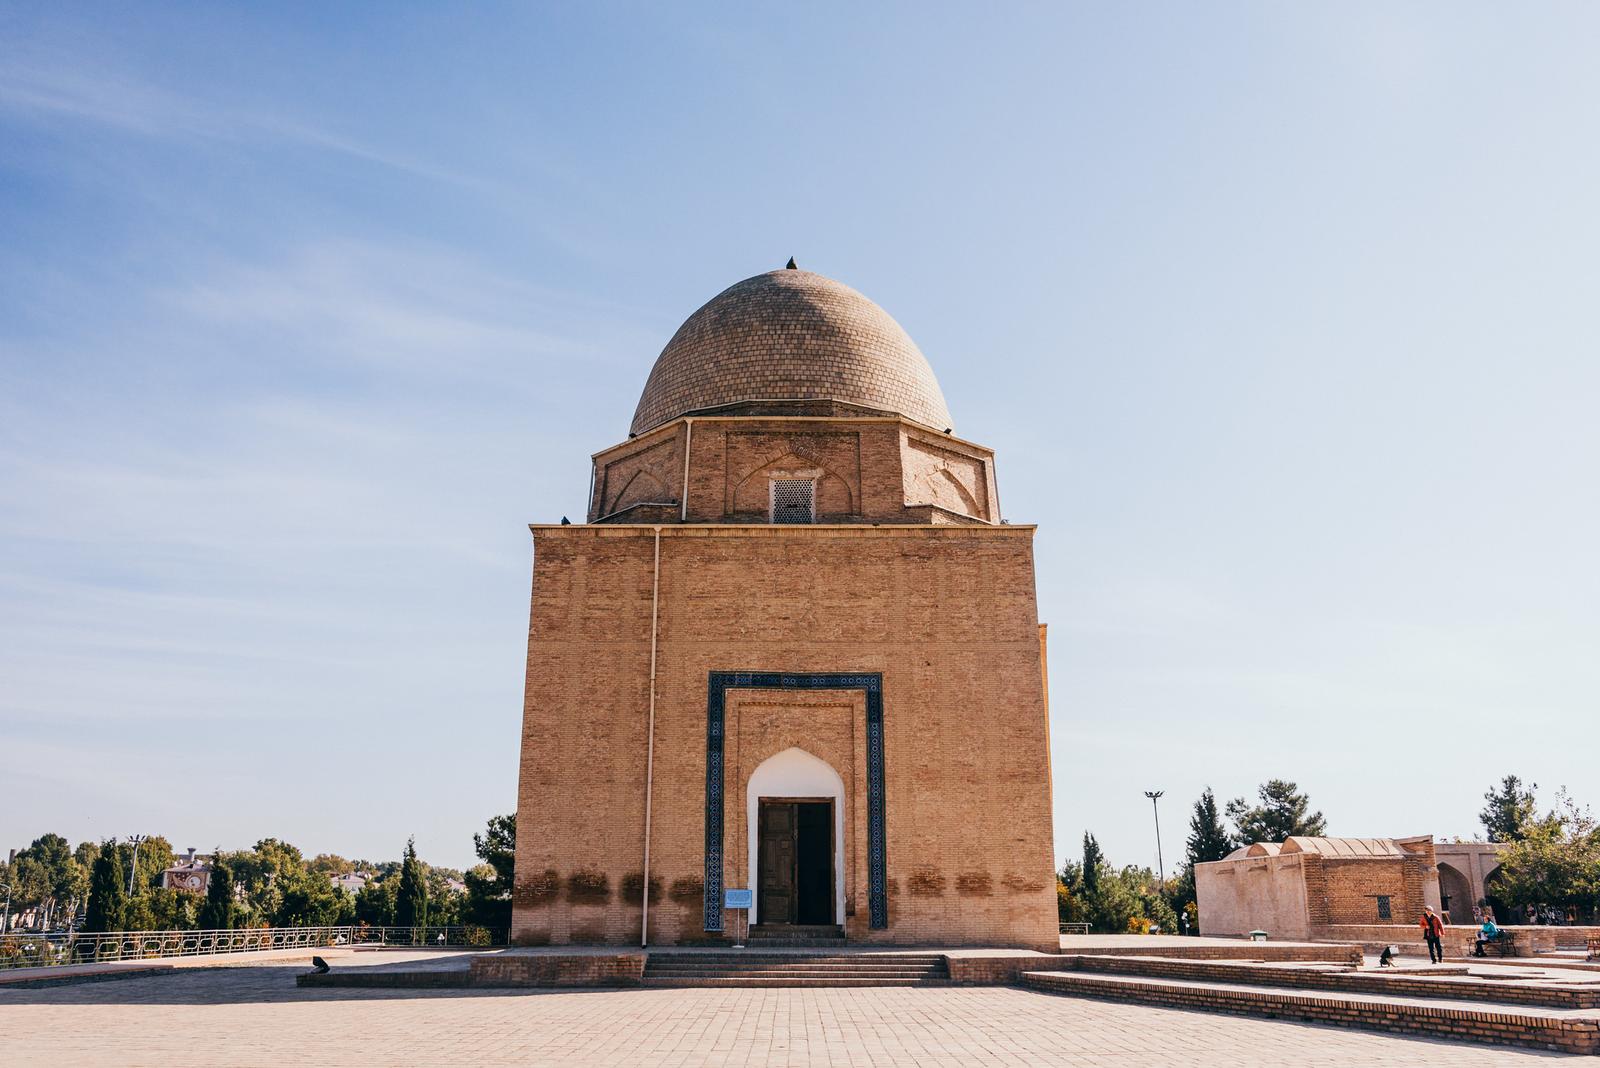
[[1093, 861], [1509, 810], [107, 890], [218, 913], [375, 903], [445, 902], [411, 899], [1208, 837], [48, 877], [264, 873], [331, 864], [1555, 860], [1282, 813], [309, 899], [154, 856], [489, 884]]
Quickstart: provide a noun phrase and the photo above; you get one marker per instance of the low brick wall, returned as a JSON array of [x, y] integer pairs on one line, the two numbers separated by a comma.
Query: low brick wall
[[1543, 1032], [996, 971], [1459, 939], [1426, 985], [550, 969]]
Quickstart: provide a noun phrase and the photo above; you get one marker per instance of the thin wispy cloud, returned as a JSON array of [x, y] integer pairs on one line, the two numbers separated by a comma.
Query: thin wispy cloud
[[57, 92]]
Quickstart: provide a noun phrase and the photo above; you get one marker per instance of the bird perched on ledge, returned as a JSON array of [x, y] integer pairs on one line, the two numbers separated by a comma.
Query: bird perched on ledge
[[319, 965]]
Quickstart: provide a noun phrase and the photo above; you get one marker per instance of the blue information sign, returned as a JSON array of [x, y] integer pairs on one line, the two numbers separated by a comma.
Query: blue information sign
[[738, 899]]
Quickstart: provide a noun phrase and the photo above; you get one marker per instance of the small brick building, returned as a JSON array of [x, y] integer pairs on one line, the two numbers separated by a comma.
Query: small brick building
[[1298, 887], [794, 650]]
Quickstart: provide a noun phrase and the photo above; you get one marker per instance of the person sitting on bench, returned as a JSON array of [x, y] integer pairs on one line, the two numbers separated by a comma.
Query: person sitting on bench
[[1486, 934]]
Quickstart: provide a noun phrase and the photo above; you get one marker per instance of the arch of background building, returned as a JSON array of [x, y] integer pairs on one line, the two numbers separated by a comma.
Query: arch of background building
[[796, 773], [1456, 888], [719, 682]]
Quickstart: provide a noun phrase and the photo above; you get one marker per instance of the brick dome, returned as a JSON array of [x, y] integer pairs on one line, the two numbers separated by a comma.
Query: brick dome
[[790, 335]]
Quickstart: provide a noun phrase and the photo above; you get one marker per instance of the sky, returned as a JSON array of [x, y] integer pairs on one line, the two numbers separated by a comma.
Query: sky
[[1281, 318]]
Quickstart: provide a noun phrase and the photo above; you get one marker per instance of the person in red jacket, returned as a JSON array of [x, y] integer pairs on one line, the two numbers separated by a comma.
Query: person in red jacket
[[1433, 934]]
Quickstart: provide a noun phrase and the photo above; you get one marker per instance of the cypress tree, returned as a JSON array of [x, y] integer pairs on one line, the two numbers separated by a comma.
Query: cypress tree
[[1208, 838], [411, 904], [108, 900], [1092, 859], [218, 912]]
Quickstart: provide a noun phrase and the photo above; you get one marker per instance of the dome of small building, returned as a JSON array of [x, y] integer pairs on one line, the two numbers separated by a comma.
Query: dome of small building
[[790, 335]]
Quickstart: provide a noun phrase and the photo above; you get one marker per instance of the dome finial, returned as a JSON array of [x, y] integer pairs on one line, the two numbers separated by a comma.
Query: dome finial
[[790, 265]]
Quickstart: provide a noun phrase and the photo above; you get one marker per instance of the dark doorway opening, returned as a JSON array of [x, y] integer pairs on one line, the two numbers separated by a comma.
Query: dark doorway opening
[[794, 861]]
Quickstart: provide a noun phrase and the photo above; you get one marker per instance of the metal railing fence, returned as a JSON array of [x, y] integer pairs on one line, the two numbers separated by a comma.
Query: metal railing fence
[[1075, 928], [18, 950]]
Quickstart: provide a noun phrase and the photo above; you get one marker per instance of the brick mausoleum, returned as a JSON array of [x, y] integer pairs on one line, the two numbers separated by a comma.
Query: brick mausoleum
[[1304, 887], [794, 650]]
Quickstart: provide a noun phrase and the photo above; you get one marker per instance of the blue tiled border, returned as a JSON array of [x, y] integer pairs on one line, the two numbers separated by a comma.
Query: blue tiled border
[[877, 852]]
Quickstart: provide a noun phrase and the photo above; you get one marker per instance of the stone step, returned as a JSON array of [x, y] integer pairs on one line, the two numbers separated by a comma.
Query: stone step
[[795, 970], [765, 969], [794, 974], [1463, 1020], [785, 981], [793, 958], [738, 969], [1450, 982]]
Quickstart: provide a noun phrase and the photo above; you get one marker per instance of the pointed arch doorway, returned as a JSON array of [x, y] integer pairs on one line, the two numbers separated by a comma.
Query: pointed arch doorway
[[795, 817]]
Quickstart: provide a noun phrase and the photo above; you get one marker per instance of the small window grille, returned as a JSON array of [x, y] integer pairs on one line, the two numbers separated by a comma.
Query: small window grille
[[793, 500], [1383, 907]]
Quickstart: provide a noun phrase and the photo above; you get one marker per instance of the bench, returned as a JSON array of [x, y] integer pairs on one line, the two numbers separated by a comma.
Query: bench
[[1504, 946]]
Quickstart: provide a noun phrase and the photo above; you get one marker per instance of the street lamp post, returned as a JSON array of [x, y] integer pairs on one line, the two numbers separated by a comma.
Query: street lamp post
[[133, 868], [5, 920], [1161, 869]]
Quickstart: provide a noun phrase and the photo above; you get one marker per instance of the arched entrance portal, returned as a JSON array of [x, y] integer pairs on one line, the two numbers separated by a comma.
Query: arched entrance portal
[[795, 825], [1455, 894], [1492, 899]]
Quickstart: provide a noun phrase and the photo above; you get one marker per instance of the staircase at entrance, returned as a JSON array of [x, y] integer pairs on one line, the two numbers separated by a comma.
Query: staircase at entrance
[[756, 966]]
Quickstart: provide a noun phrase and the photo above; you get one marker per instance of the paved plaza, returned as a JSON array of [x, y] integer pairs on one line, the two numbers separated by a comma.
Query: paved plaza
[[253, 1014]]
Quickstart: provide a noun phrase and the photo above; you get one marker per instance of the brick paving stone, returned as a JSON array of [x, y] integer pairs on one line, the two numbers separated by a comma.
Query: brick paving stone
[[254, 1015]]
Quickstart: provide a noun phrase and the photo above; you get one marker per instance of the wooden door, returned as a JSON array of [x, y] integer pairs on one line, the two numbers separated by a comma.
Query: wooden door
[[775, 858]]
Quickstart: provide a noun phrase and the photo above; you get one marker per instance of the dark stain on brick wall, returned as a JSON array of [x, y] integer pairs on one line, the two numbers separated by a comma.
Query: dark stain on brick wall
[[926, 881], [975, 884], [1018, 885], [588, 886], [633, 888], [688, 890], [539, 890]]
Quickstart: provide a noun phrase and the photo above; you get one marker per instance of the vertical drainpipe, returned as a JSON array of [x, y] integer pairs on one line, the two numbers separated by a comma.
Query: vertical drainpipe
[[650, 742], [688, 439]]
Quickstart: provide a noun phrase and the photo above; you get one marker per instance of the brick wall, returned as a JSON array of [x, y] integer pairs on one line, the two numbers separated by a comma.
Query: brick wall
[[990, 971], [522, 969], [1459, 939], [946, 615], [1353, 886], [1475, 1025], [884, 470]]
